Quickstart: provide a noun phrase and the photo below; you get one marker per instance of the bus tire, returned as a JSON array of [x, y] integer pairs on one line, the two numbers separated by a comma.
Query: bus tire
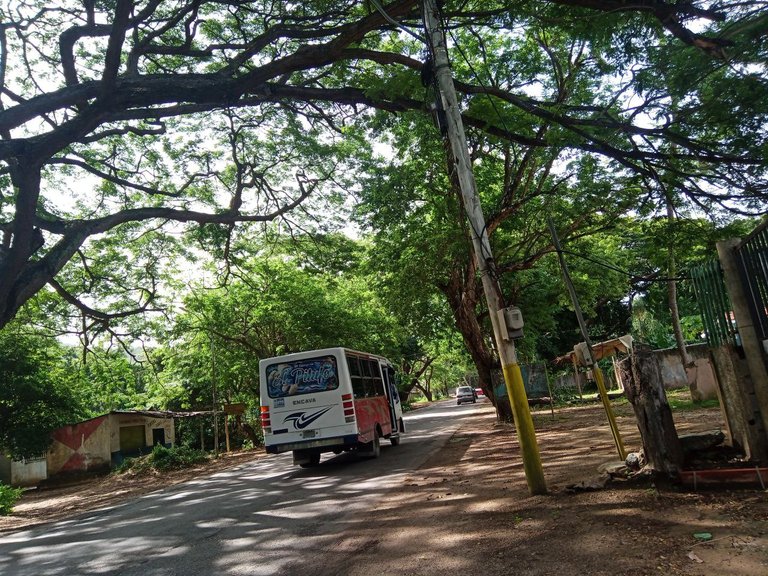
[[371, 449], [313, 460], [395, 440], [376, 448]]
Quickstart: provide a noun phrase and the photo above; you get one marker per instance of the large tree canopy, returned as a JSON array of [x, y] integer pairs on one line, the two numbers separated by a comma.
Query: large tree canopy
[[121, 116]]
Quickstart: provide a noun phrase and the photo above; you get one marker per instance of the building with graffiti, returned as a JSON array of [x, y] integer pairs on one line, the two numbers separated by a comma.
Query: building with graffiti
[[101, 442]]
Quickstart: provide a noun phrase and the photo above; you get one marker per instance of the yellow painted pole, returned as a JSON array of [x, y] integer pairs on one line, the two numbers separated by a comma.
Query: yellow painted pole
[[513, 378], [589, 354], [518, 400], [609, 411]]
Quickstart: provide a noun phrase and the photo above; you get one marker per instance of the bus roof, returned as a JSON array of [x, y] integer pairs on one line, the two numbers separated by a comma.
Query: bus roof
[[319, 352]]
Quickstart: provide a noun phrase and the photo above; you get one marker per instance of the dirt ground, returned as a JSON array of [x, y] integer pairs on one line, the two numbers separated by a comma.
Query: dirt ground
[[468, 509], [61, 502]]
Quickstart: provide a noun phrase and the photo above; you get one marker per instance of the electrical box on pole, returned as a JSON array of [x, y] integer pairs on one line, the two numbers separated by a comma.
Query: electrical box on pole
[[511, 322], [583, 354]]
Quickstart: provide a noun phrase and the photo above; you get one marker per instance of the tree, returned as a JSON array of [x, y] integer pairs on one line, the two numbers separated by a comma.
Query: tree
[[116, 380], [646, 241], [38, 392], [270, 305], [150, 102]]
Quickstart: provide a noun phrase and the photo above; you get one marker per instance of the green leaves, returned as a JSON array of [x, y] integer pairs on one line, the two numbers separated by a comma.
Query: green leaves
[[274, 305], [36, 392]]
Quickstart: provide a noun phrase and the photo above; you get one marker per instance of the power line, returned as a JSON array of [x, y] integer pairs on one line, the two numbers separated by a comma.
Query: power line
[[632, 276], [395, 23]]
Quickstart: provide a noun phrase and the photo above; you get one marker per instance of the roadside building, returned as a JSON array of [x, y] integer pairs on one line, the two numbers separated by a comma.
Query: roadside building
[[102, 442]]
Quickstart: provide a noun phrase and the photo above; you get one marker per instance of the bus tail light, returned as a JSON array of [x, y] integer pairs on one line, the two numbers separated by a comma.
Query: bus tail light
[[266, 423], [348, 405]]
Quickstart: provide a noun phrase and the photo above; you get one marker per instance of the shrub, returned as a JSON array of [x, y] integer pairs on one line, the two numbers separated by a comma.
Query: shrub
[[163, 458], [124, 466], [8, 497]]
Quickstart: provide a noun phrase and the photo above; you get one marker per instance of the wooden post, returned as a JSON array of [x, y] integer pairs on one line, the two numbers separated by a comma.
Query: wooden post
[[549, 389], [644, 388], [226, 429], [616, 373], [577, 376]]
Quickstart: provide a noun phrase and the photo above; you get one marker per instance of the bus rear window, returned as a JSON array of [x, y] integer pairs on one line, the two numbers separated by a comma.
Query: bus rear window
[[302, 377]]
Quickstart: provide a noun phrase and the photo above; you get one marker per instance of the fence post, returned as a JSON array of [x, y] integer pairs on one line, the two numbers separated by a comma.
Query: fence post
[[750, 343]]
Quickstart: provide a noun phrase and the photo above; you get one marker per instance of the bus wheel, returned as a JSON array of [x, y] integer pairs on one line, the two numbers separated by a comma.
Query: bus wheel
[[371, 449], [311, 460], [395, 440]]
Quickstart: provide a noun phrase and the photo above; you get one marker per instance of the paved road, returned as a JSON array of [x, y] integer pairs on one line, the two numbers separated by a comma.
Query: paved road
[[265, 517]]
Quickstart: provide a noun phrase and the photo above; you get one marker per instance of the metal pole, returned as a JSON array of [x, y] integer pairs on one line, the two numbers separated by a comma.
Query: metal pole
[[482, 249], [590, 352], [215, 418], [549, 389]]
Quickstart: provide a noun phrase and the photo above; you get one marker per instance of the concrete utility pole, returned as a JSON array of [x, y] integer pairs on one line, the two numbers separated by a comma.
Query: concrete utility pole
[[215, 400], [587, 351], [756, 385], [484, 257]]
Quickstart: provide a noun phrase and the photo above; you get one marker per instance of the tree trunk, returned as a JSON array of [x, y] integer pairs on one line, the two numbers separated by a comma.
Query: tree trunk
[[247, 430], [413, 376], [644, 387], [672, 294], [504, 410], [426, 391], [463, 297]]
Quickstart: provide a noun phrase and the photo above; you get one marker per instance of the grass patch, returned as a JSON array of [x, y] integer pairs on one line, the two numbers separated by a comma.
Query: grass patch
[[680, 399]]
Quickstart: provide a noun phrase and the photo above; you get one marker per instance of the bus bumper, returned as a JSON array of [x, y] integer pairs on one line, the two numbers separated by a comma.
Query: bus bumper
[[325, 444]]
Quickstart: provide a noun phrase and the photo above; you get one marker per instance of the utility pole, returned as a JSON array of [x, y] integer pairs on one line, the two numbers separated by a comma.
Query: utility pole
[[513, 377], [588, 352], [215, 416]]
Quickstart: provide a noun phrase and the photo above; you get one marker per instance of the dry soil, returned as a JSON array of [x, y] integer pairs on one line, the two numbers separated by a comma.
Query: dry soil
[[468, 510]]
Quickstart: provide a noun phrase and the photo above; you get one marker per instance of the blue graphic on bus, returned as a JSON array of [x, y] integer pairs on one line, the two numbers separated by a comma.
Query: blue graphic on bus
[[303, 419], [302, 377]]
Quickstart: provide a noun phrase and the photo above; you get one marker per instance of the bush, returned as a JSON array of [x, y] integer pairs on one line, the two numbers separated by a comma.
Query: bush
[[8, 497], [163, 458], [124, 466]]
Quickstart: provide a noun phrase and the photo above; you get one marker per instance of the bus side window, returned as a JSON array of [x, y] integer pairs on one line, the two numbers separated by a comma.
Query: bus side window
[[378, 382], [358, 388], [365, 368]]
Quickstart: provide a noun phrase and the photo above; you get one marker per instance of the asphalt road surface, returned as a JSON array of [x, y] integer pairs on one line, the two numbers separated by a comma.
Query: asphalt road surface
[[264, 517]]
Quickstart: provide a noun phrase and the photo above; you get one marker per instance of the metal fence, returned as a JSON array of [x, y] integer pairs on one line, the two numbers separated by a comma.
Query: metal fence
[[753, 259], [714, 304], [535, 380]]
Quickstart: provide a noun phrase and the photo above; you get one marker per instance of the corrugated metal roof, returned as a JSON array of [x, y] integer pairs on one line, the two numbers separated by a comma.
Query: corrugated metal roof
[[164, 413]]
